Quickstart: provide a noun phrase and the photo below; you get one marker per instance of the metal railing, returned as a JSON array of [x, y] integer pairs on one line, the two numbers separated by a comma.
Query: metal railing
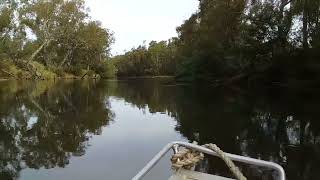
[[233, 157]]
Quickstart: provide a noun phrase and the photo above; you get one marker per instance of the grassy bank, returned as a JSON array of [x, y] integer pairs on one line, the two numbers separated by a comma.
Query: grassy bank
[[36, 70]]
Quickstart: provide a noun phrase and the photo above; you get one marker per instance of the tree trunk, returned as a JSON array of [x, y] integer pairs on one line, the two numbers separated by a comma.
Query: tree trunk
[[37, 105], [158, 67], [65, 58], [88, 69], [8, 73], [46, 43], [305, 25], [284, 25]]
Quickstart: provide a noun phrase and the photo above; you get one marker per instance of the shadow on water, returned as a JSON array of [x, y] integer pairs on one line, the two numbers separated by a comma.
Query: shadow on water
[[274, 124], [44, 124]]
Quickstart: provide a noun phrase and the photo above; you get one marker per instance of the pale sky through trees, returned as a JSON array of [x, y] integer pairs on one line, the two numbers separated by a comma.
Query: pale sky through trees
[[134, 21]]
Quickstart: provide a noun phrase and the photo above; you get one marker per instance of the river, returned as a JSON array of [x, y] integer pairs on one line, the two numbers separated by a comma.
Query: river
[[110, 129]]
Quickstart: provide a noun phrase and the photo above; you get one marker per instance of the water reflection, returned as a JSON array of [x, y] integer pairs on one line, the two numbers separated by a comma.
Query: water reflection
[[272, 125], [279, 125], [45, 124]]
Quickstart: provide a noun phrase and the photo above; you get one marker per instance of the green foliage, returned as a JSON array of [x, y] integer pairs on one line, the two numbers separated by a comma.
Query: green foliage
[[5, 19], [238, 38], [76, 70], [8, 69], [223, 40], [58, 71], [209, 44], [157, 59], [62, 35], [106, 69], [43, 71]]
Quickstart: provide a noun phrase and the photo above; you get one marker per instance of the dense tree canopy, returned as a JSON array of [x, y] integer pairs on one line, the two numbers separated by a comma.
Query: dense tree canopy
[[227, 38], [58, 34], [232, 40], [223, 42], [159, 58]]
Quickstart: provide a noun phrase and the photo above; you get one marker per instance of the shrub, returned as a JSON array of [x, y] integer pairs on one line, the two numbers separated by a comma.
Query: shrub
[[8, 69]]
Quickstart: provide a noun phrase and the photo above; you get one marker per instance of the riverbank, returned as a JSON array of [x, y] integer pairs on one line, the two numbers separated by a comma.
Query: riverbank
[[146, 77], [35, 70]]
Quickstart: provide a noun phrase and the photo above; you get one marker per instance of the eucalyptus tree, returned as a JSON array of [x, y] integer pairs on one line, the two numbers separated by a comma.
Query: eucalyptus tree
[[209, 39], [52, 22], [156, 59], [12, 35], [236, 38], [5, 16], [309, 13], [93, 44], [63, 35]]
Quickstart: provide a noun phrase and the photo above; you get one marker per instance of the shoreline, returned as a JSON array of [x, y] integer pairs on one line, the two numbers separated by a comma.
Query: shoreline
[[89, 78], [58, 78], [144, 77]]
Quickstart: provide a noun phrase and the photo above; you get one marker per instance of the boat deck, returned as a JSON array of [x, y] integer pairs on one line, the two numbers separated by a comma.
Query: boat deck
[[193, 175]]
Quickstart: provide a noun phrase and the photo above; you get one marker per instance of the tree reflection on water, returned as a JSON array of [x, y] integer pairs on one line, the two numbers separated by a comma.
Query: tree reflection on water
[[44, 124], [273, 124]]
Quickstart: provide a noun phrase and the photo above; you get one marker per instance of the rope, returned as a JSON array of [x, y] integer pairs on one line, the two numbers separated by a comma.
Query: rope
[[187, 159], [233, 168]]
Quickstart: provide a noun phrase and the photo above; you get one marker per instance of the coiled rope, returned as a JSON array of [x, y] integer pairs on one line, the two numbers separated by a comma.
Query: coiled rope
[[186, 159]]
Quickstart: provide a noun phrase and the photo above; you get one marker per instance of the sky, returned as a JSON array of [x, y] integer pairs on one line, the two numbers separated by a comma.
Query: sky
[[133, 21]]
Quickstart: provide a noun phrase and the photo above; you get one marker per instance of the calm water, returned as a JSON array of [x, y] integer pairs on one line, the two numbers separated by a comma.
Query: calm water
[[110, 129]]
